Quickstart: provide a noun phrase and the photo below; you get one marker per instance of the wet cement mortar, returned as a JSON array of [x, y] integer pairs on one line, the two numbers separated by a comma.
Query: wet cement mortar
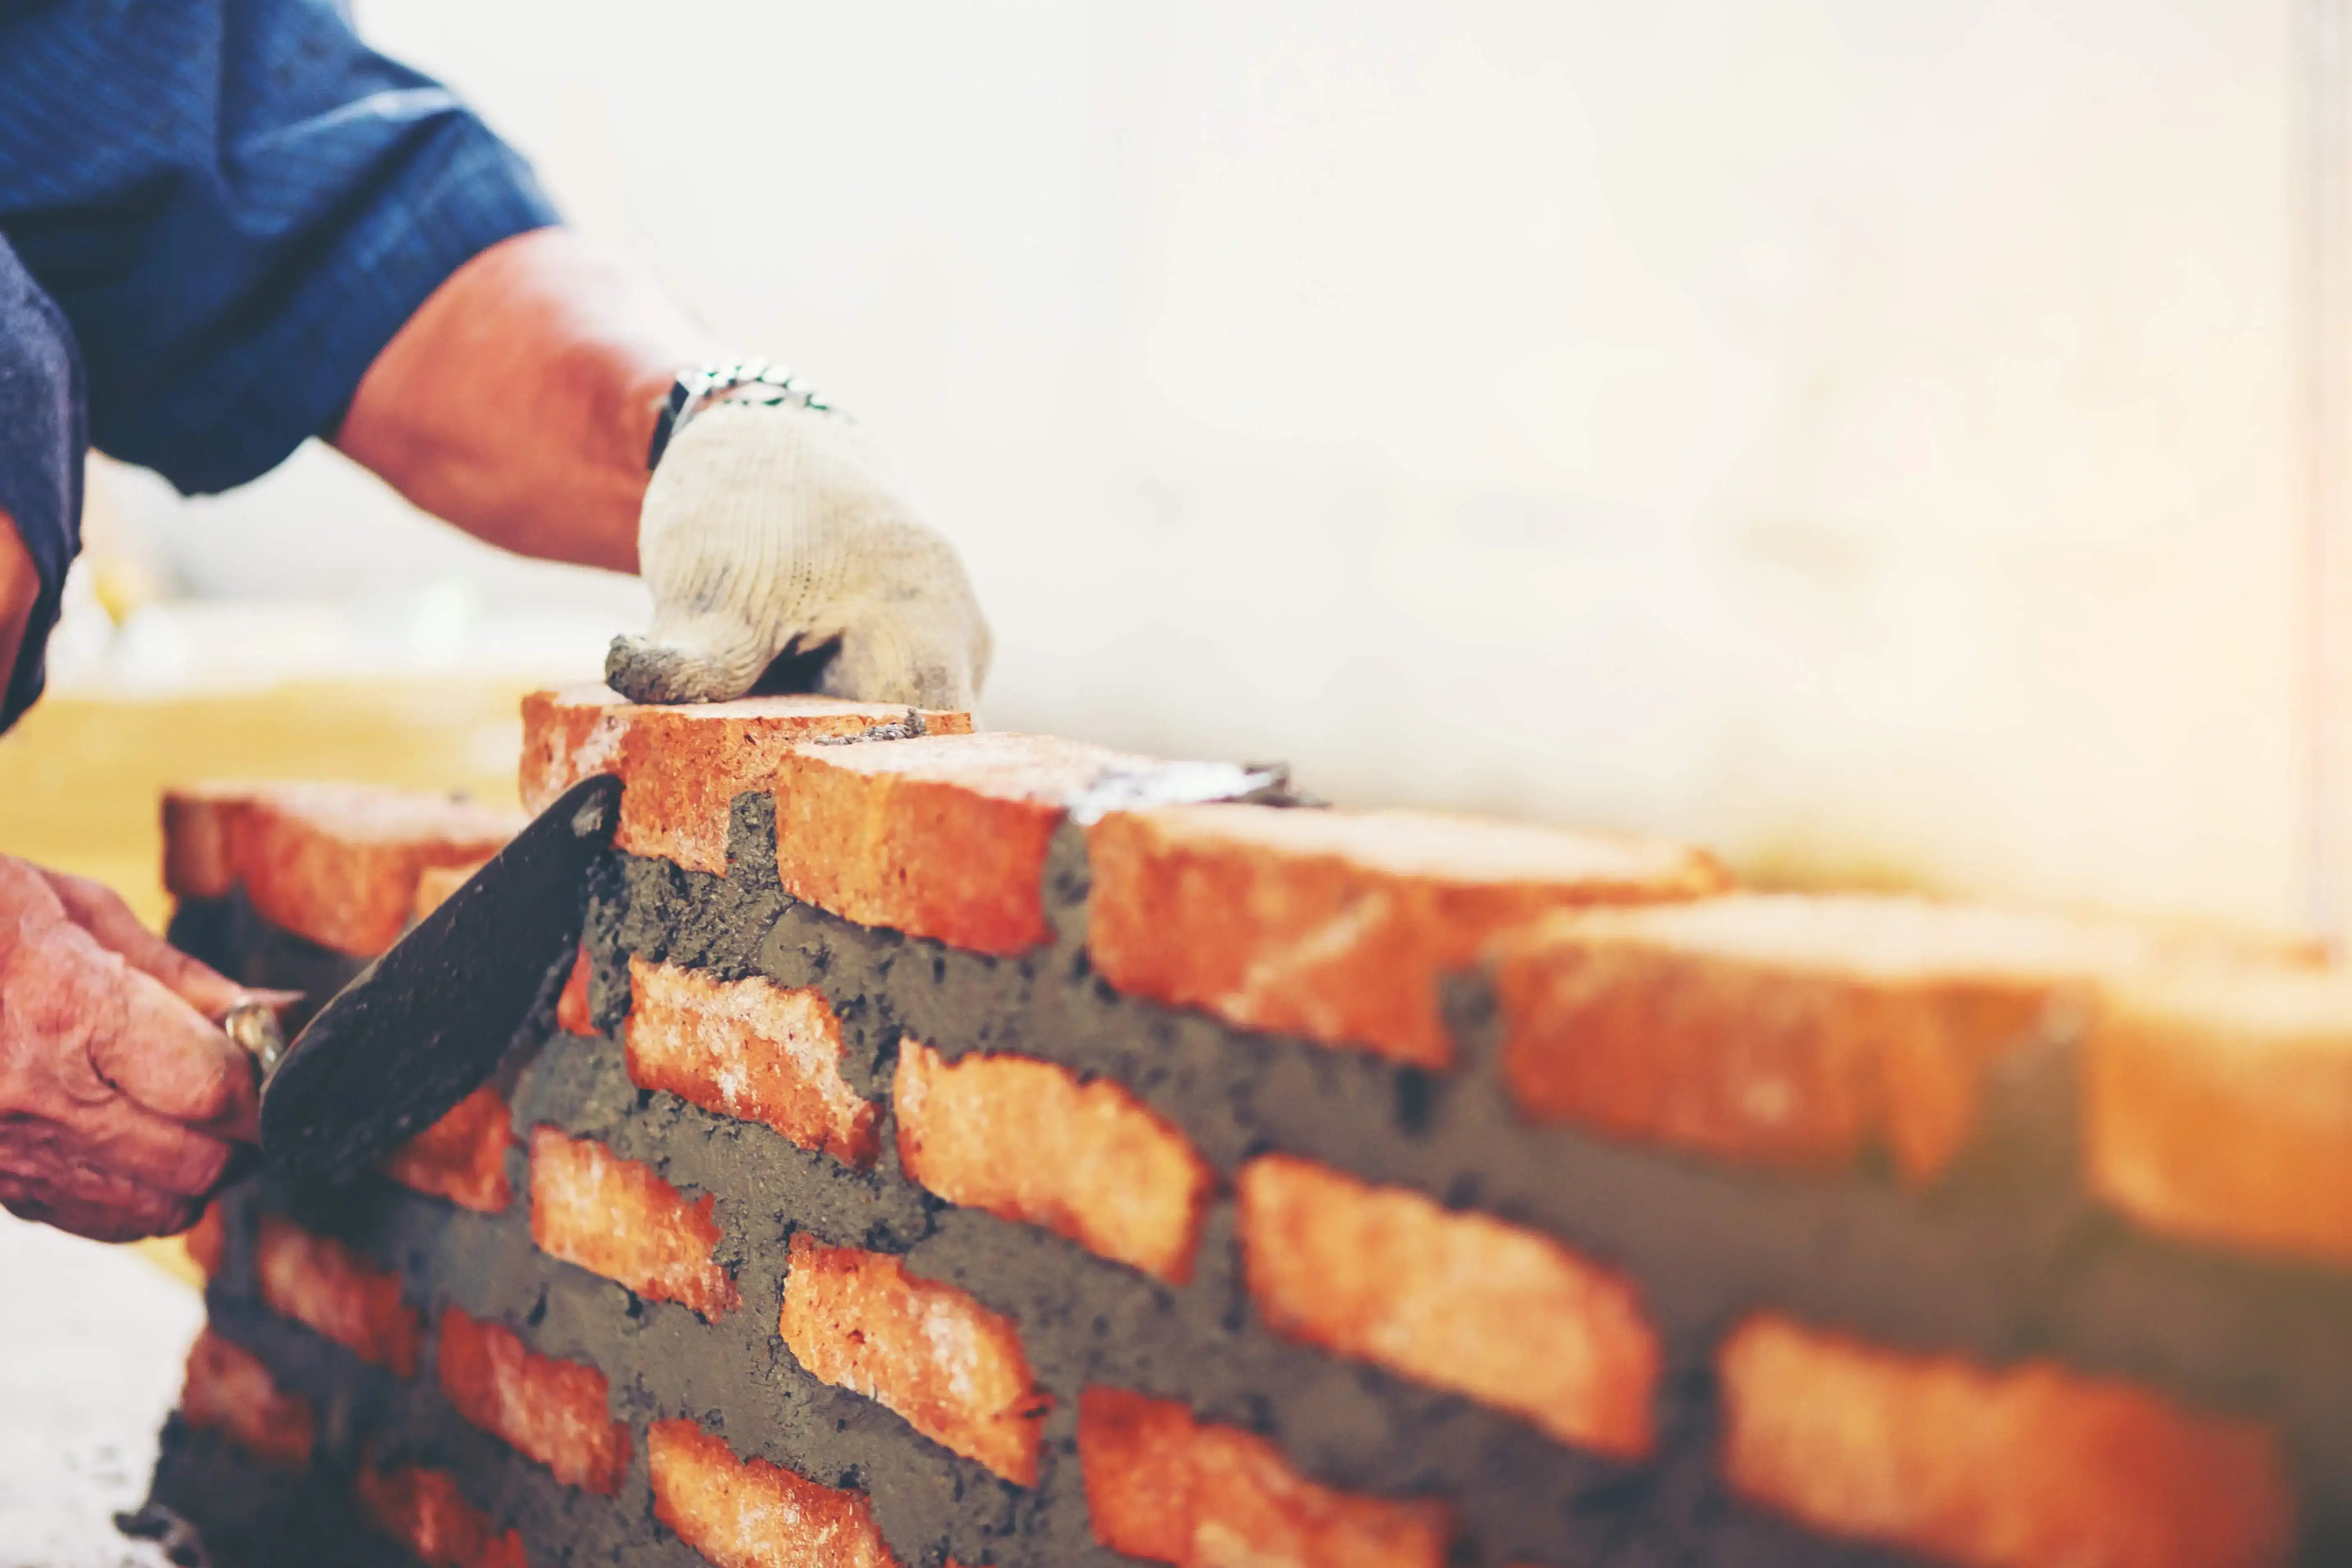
[[2003, 1259]]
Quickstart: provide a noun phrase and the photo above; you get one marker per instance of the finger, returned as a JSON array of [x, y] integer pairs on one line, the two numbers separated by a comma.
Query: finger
[[101, 1187], [121, 1212], [922, 653], [121, 1141], [162, 1055], [99, 911], [708, 656]]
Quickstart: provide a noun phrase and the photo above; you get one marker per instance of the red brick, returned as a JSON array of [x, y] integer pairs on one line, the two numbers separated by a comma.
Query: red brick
[[1336, 925], [614, 1217], [337, 863], [322, 1283], [955, 1371], [682, 766], [207, 1241], [943, 836], [1791, 1031], [550, 1409], [1026, 1141], [435, 883], [1459, 1301], [423, 1511], [571, 1013], [750, 1049], [2219, 1109], [749, 1514], [2030, 1466], [1164, 1486], [229, 1391], [463, 1157]]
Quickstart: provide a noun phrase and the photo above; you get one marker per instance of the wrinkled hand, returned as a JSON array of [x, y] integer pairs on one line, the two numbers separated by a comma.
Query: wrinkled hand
[[772, 530], [119, 1102]]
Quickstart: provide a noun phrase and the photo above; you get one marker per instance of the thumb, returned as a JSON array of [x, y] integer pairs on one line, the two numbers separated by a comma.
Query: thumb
[[709, 656]]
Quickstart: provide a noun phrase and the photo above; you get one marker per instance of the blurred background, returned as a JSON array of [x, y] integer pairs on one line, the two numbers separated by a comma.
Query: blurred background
[[1878, 439]]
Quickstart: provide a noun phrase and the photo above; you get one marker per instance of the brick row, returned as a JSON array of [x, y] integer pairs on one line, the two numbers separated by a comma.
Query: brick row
[[550, 1409], [229, 1391], [463, 1157], [338, 864], [423, 1508], [749, 1514], [320, 1283]]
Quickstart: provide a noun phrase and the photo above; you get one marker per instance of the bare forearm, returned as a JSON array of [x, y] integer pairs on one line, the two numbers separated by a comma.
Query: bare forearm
[[519, 401]]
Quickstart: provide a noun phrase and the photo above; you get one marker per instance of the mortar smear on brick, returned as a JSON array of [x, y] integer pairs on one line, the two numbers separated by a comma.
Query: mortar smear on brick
[[614, 1217], [320, 1283], [749, 1514]]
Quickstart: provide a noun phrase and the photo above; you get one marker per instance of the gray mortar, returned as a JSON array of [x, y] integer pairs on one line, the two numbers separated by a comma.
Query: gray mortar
[[2005, 1259]]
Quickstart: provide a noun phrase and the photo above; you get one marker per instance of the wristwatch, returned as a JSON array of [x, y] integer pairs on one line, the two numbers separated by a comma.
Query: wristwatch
[[756, 381]]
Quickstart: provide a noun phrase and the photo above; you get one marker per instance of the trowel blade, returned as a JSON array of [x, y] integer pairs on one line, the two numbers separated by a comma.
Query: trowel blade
[[426, 1024]]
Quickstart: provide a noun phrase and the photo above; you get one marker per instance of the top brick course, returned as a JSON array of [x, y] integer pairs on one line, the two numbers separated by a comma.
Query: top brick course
[[1336, 924], [683, 767], [338, 863], [1797, 1031]]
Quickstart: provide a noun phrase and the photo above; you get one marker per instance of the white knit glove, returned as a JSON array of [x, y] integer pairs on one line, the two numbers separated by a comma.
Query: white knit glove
[[773, 528]]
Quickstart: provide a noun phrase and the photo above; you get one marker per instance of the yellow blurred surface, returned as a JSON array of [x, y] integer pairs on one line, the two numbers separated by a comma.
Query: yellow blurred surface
[[80, 775]]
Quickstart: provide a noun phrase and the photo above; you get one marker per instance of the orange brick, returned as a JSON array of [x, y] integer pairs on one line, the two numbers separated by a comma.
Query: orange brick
[[552, 1410], [750, 1049], [2033, 1467], [435, 883], [682, 766], [1459, 1301], [423, 1511], [749, 1514], [1026, 1141], [614, 1217], [1787, 1030], [207, 1240], [943, 836], [463, 1157], [571, 1013], [1164, 1486], [322, 1283], [955, 1371], [2219, 1109], [338, 863], [1336, 925], [230, 1392]]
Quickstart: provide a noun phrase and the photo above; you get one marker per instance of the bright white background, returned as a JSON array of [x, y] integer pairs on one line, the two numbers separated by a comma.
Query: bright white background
[[1858, 435]]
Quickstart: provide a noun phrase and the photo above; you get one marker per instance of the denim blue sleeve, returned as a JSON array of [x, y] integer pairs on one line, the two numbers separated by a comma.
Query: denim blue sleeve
[[235, 204]]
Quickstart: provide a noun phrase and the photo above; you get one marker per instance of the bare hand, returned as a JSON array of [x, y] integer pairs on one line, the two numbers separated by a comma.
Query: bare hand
[[119, 1100]]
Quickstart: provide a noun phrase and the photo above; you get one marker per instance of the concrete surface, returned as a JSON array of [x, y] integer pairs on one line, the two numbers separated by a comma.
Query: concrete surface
[[95, 1338]]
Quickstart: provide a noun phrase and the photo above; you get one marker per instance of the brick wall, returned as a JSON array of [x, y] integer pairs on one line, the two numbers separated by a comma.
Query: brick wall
[[981, 1148]]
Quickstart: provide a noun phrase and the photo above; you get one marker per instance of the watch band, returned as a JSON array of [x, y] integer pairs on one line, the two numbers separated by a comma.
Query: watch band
[[695, 390]]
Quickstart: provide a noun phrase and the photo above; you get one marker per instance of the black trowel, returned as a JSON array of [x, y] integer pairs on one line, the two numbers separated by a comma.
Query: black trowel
[[427, 1023]]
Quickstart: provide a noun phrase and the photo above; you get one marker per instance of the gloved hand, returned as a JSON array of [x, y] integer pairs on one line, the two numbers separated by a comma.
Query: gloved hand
[[118, 1101], [777, 528]]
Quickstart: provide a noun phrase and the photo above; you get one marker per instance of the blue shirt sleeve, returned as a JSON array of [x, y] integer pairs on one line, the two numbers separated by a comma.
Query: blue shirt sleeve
[[236, 203]]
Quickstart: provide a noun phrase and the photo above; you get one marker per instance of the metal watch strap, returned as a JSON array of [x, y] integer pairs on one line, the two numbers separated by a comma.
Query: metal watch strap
[[695, 390]]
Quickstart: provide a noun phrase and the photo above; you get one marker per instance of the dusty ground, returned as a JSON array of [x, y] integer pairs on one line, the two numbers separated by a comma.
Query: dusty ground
[[94, 1339]]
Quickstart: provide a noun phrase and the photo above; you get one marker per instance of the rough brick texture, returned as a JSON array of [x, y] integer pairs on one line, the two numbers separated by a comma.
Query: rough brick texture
[[2033, 1467], [681, 768], [1027, 1141], [423, 1511], [550, 1409], [338, 864], [1790, 1030], [749, 1514], [1460, 1301], [320, 1282], [2219, 1109], [463, 1157], [751, 1050], [1163, 1487], [614, 1217], [229, 1391], [955, 1371], [943, 836], [1336, 925]]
